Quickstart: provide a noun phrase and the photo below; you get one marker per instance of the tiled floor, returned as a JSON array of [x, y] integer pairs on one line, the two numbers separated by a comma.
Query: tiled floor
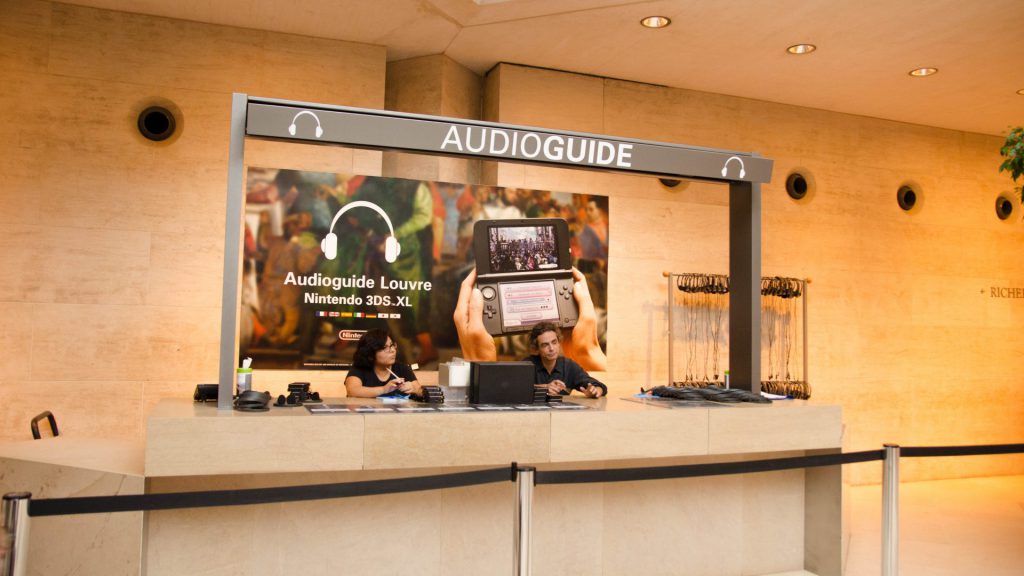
[[947, 528]]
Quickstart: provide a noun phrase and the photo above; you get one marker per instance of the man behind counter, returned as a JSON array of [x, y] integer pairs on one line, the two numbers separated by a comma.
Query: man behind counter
[[560, 374]]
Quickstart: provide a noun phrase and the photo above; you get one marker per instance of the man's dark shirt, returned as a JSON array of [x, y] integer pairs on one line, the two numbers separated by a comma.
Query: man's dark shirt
[[569, 372]]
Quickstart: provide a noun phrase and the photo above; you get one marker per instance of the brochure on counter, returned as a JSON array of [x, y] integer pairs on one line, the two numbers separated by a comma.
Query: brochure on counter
[[413, 407]]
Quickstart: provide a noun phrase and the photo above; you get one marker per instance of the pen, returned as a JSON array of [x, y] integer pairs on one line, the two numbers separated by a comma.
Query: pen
[[400, 380]]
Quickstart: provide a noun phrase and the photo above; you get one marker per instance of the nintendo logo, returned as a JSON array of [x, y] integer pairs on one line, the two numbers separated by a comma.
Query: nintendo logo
[[350, 334]]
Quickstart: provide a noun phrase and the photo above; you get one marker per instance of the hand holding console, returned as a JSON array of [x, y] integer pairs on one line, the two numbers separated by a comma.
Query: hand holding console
[[583, 346], [524, 274], [477, 344]]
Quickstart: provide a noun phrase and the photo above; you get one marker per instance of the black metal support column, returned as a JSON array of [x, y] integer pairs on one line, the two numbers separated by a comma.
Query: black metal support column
[[745, 285]]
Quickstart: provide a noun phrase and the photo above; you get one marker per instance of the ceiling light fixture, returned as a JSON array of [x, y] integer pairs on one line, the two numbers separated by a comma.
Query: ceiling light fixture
[[801, 49], [922, 72], [1021, 91], [655, 22]]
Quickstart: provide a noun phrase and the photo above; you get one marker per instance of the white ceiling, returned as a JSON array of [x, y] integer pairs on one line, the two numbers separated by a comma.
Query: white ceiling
[[736, 47]]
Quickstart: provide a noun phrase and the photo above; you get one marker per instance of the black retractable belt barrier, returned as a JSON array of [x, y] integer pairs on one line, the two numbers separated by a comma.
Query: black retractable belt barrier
[[525, 477], [961, 450], [205, 499], [692, 470]]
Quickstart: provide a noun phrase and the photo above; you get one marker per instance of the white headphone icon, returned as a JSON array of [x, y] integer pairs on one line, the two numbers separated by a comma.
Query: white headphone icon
[[330, 242], [319, 129], [725, 169]]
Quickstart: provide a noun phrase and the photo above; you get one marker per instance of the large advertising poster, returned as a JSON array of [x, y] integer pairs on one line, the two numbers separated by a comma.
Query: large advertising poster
[[328, 256]]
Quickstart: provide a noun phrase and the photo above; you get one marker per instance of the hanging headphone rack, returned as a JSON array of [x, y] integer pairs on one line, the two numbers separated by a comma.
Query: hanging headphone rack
[[706, 303]]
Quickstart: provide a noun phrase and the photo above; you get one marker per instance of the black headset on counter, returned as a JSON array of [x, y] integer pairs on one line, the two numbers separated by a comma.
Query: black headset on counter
[[298, 394], [252, 401]]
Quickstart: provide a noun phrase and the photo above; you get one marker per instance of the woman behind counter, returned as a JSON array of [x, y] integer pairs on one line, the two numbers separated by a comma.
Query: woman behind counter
[[374, 371]]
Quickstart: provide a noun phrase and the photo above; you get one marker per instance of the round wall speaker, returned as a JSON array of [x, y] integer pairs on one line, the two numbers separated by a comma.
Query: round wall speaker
[[156, 123], [800, 185], [906, 197], [1004, 207], [797, 186]]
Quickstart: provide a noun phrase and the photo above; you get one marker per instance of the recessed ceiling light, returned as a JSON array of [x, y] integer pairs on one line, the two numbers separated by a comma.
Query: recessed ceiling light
[[801, 48], [655, 22], [923, 71], [1021, 91]]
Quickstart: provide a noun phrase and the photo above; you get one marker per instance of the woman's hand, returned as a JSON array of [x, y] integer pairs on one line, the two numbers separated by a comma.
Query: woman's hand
[[582, 346], [476, 343]]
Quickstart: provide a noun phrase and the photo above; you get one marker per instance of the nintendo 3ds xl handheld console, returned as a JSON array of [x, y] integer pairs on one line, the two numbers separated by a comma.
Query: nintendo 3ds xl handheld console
[[524, 274]]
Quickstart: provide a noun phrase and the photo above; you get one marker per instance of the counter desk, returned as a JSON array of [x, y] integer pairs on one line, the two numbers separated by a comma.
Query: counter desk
[[752, 524]]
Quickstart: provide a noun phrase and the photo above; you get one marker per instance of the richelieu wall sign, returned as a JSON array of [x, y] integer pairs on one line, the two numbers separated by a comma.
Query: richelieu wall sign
[[1006, 292], [432, 134]]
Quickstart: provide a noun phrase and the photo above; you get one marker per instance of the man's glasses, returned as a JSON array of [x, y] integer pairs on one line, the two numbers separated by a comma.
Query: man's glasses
[[390, 346]]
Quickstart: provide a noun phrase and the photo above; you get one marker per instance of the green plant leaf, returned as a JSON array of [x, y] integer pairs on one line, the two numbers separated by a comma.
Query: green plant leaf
[[1013, 150]]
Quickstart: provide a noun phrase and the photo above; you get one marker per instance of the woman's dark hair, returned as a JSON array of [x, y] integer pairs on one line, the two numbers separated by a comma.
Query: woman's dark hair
[[370, 343]]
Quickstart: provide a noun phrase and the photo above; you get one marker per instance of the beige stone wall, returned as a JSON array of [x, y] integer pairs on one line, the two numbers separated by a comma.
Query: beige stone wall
[[903, 332], [111, 246], [438, 86]]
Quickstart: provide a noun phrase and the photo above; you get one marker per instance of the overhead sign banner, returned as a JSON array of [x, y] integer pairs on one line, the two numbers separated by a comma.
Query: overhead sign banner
[[431, 134]]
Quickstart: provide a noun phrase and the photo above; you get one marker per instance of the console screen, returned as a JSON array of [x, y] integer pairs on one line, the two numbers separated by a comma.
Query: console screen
[[522, 249], [527, 303]]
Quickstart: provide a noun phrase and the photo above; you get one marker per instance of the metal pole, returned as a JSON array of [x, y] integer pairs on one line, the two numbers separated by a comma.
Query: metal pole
[[806, 379], [16, 524], [671, 336], [230, 297], [524, 515], [891, 510]]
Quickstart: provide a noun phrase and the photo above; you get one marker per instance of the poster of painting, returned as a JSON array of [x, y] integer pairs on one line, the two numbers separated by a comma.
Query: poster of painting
[[328, 256]]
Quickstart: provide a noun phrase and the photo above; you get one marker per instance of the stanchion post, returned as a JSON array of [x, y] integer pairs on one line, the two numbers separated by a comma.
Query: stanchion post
[[891, 511], [671, 337], [524, 516], [15, 511]]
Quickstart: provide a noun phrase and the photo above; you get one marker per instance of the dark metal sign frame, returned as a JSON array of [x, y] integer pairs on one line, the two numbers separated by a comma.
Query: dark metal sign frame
[[314, 123]]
